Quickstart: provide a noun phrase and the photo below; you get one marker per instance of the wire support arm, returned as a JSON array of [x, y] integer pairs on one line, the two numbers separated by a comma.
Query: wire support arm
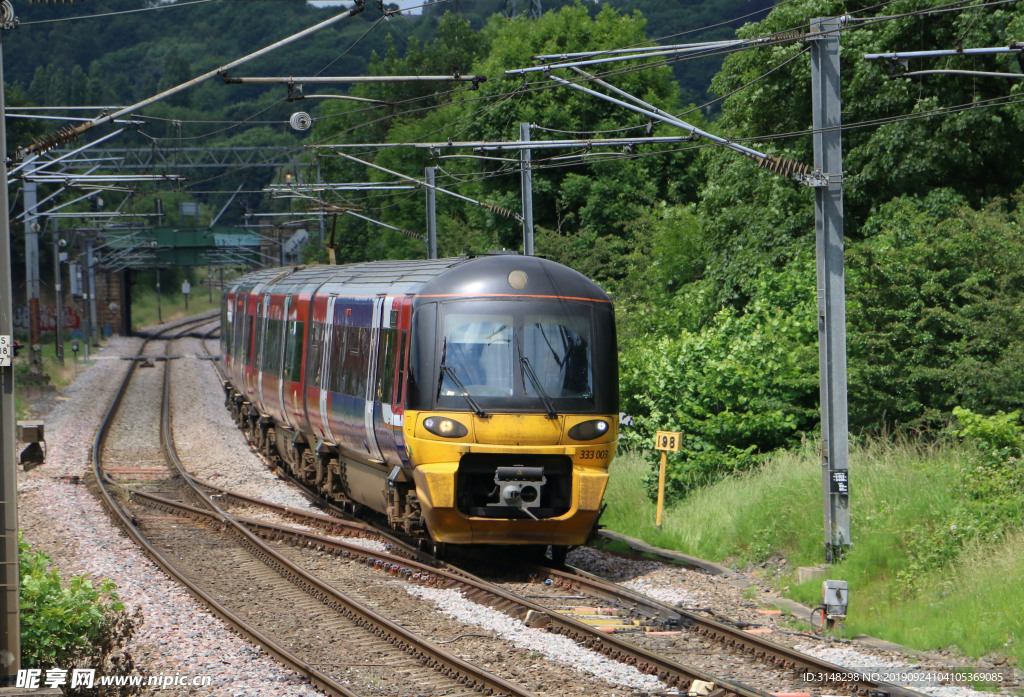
[[71, 133], [341, 79], [489, 206], [797, 170]]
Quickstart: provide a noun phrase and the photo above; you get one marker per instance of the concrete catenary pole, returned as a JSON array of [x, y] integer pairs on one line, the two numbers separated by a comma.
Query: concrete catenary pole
[[828, 217], [525, 161], [429, 175], [30, 195], [10, 643], [58, 292], [90, 266]]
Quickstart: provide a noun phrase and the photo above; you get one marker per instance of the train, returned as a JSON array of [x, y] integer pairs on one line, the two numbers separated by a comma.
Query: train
[[470, 400]]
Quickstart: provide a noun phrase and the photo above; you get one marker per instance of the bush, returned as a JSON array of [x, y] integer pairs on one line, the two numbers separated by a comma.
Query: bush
[[742, 385], [78, 626], [990, 481], [935, 297]]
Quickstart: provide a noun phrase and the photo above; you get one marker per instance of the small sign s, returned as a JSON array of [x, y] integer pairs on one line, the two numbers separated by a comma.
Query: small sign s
[[6, 351]]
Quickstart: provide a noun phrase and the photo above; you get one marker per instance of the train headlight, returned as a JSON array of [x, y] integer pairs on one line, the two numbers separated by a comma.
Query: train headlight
[[444, 427], [589, 430]]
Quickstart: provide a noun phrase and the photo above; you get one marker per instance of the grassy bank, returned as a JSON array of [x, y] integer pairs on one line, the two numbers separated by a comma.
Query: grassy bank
[[60, 375], [902, 495], [146, 312]]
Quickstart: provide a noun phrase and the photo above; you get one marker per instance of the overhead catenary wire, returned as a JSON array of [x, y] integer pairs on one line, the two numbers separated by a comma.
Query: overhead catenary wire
[[509, 94], [489, 206], [69, 133]]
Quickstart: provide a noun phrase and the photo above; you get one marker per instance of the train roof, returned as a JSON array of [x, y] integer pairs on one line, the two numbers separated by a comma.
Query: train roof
[[490, 275]]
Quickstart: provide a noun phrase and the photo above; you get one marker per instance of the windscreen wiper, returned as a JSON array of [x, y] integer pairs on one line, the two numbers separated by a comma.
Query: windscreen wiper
[[450, 372], [473, 404], [528, 371]]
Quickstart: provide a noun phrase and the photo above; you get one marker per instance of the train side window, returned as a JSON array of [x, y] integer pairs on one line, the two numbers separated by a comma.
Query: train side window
[[356, 363], [316, 334], [350, 361], [250, 340], [225, 328], [386, 366], [246, 338], [400, 381], [292, 356], [237, 328], [272, 353], [337, 357], [259, 346]]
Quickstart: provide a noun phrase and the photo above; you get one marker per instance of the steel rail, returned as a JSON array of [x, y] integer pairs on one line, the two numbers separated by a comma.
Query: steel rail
[[721, 632], [428, 653], [671, 672], [124, 521]]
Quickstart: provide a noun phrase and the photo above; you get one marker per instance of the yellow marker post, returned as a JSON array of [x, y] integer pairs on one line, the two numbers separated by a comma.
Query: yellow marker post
[[664, 441]]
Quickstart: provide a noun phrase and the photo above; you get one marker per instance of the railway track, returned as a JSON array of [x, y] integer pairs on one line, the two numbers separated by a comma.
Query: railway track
[[624, 630], [248, 583]]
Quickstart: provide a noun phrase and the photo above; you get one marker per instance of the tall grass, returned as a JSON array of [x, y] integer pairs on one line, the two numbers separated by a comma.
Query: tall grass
[[147, 313], [897, 487]]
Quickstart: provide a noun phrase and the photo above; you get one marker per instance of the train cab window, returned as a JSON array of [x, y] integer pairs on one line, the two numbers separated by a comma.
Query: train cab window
[[534, 355], [478, 350], [559, 353]]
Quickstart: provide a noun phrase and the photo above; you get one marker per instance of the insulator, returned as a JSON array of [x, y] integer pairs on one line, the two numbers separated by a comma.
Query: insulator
[[300, 121], [798, 35], [65, 135], [783, 166], [499, 210]]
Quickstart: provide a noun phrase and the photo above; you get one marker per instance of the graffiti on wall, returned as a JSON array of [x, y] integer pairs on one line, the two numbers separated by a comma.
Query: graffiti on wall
[[47, 318]]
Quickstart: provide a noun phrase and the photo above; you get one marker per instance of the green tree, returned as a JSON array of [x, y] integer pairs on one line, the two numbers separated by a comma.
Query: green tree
[[741, 385], [936, 294]]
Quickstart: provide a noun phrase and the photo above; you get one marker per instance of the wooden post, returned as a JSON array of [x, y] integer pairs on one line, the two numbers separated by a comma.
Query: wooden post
[[664, 441], [661, 489]]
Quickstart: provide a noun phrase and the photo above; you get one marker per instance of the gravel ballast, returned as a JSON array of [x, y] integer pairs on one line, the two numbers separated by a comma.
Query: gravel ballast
[[179, 636]]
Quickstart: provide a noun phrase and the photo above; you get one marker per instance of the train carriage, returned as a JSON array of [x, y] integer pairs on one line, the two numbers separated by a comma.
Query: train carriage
[[470, 400]]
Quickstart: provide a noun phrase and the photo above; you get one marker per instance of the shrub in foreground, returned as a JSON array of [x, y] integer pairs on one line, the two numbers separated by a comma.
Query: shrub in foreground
[[73, 626]]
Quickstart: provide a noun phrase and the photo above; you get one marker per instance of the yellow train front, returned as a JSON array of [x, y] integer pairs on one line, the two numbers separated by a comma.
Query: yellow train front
[[469, 400], [512, 419]]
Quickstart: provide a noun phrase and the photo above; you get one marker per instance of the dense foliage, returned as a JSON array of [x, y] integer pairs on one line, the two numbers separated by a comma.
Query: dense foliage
[[73, 625], [709, 258]]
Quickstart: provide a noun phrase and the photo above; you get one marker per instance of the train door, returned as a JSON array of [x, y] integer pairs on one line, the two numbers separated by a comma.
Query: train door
[[252, 317], [324, 383], [295, 361], [381, 310], [389, 412], [262, 341], [283, 367]]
